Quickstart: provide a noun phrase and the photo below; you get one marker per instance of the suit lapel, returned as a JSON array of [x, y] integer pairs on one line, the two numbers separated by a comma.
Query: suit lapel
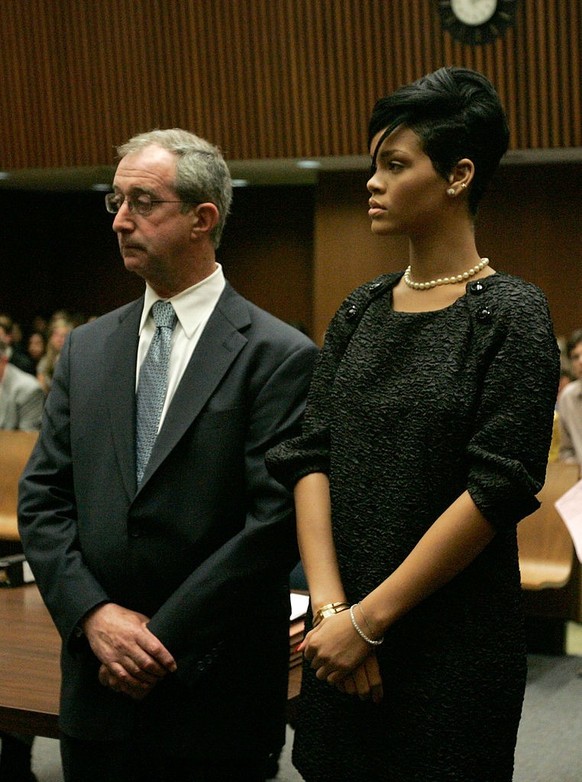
[[122, 353], [219, 345]]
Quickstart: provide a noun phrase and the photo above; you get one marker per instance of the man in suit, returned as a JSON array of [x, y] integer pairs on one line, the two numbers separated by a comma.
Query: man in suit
[[21, 397], [169, 586]]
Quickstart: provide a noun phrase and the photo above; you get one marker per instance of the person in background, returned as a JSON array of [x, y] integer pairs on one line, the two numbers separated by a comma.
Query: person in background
[[21, 397], [570, 405], [16, 355], [58, 330], [566, 377], [36, 346], [159, 542], [39, 323], [425, 441]]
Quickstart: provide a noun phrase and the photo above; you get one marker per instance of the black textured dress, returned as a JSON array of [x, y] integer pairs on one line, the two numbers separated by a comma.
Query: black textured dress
[[406, 412]]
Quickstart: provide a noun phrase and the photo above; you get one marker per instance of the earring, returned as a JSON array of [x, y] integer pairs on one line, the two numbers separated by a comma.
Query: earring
[[463, 185], [451, 191]]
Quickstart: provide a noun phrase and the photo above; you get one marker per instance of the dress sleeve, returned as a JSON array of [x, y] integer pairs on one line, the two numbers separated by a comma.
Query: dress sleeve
[[291, 460], [508, 450]]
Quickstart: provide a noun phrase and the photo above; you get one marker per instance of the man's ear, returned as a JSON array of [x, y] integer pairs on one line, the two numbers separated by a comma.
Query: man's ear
[[206, 218]]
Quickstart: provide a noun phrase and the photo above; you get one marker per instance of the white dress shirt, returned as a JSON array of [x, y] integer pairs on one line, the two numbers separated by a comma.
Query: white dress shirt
[[193, 307]]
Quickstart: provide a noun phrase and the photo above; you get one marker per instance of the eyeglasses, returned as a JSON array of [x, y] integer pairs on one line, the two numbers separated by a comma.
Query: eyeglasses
[[142, 204]]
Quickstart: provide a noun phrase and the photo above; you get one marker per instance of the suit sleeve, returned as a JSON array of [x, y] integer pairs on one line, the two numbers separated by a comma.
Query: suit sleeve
[[232, 584], [48, 514]]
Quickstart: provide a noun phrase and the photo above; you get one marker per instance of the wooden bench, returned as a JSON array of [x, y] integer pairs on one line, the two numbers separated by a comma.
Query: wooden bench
[[550, 571], [15, 448]]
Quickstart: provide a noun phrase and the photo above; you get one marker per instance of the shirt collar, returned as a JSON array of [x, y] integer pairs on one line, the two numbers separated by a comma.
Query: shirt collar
[[191, 304]]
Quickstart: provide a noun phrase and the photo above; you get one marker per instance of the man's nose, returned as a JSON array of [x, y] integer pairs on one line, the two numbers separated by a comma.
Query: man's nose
[[123, 220]]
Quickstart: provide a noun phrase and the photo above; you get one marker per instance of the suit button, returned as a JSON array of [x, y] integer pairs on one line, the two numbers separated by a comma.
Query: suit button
[[476, 287], [483, 315], [374, 287], [134, 533], [351, 313]]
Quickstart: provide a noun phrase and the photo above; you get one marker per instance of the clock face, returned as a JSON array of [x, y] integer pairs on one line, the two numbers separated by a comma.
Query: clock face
[[473, 12], [476, 22]]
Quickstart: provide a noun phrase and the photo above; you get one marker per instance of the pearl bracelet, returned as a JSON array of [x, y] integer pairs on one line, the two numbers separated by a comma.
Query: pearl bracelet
[[359, 630]]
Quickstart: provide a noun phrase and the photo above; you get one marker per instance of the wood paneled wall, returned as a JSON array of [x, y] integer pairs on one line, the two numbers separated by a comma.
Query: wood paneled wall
[[261, 78]]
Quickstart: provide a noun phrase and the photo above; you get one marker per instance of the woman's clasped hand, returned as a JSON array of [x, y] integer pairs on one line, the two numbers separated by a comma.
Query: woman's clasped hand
[[341, 658]]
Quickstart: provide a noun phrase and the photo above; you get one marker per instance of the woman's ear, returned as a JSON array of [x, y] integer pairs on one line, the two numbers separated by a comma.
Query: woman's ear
[[460, 177], [206, 218]]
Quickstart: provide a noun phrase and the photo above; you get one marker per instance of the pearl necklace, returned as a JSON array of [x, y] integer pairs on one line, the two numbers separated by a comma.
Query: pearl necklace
[[422, 286]]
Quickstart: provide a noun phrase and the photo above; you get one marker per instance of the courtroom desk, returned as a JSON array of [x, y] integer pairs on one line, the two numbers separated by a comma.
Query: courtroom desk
[[29, 664]]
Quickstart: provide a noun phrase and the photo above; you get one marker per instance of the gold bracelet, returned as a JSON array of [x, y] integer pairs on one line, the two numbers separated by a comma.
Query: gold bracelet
[[329, 609]]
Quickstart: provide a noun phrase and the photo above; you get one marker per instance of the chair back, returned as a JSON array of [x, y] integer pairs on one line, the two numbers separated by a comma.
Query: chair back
[[15, 448]]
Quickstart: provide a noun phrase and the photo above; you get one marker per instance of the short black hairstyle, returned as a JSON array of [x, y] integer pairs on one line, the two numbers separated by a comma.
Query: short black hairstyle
[[457, 114]]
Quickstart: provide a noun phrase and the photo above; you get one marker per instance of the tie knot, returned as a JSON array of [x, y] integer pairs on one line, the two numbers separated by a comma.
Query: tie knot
[[164, 315]]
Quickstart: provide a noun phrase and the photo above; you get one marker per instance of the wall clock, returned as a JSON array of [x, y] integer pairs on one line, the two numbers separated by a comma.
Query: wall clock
[[476, 22]]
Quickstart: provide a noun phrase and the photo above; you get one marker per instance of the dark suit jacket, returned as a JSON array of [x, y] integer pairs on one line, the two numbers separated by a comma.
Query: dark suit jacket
[[202, 547]]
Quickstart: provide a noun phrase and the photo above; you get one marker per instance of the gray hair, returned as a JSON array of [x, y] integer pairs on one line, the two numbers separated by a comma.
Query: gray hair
[[201, 173]]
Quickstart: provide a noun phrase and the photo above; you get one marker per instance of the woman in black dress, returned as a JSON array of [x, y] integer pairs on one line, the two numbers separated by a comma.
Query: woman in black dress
[[425, 441]]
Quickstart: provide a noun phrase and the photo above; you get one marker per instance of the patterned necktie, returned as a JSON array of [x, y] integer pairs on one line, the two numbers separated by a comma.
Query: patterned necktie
[[153, 384]]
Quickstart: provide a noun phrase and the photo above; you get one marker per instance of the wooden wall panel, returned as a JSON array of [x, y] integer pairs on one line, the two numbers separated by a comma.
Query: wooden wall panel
[[262, 78]]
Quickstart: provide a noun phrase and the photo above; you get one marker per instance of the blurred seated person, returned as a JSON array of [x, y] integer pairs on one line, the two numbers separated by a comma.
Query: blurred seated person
[[39, 323], [566, 377], [57, 333], [36, 346], [16, 355], [570, 405], [21, 396]]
